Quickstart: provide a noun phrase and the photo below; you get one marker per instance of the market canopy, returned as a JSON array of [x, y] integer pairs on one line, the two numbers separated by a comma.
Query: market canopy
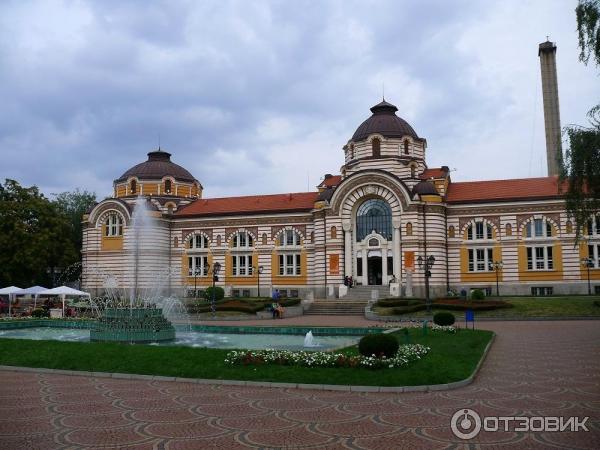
[[11, 291], [33, 290], [63, 291]]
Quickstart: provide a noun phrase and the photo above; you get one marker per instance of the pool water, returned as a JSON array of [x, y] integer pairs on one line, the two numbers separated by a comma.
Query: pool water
[[196, 339]]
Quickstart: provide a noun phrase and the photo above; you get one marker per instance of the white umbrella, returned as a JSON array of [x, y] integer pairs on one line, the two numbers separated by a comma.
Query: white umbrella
[[33, 290], [11, 291], [63, 291]]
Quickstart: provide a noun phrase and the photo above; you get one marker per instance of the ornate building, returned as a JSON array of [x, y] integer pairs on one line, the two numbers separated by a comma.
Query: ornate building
[[386, 212]]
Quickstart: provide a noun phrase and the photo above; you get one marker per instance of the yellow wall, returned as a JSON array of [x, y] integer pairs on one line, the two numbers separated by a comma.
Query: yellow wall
[[594, 273], [475, 277], [541, 275], [120, 190], [150, 189], [110, 243], [277, 279], [183, 191]]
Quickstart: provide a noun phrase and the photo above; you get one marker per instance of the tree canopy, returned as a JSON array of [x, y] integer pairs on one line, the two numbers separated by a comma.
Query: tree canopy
[[581, 169], [38, 237]]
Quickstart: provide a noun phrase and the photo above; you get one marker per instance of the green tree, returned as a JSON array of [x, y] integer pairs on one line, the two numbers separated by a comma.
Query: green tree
[[74, 205], [34, 236], [581, 169]]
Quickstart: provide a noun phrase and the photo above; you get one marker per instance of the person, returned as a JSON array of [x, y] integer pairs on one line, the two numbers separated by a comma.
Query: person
[[276, 295], [279, 311], [393, 279], [274, 309], [350, 281]]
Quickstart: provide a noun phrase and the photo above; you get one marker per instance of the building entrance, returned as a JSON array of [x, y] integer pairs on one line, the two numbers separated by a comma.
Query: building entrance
[[375, 268]]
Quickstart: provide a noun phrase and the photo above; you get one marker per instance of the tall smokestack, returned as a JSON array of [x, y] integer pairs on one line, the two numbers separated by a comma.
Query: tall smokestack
[[547, 54]]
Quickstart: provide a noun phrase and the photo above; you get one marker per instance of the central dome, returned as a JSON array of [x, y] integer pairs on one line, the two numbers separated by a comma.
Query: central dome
[[158, 165], [385, 122]]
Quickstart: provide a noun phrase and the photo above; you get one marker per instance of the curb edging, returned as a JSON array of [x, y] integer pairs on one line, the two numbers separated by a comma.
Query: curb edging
[[267, 384]]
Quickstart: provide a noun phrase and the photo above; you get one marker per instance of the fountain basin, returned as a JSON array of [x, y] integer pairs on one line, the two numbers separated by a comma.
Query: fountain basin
[[133, 325]]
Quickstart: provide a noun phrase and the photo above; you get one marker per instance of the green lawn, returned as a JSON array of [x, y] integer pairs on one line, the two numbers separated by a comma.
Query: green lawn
[[453, 357], [528, 307]]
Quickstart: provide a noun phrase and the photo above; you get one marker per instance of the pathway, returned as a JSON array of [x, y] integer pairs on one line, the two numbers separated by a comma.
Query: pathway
[[533, 368]]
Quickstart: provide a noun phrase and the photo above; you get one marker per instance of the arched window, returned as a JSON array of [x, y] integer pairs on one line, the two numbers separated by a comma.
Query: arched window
[[133, 186], [376, 146], [351, 151], [198, 242], [412, 171], [312, 237], [175, 242], [167, 186], [538, 228], [451, 231], [593, 226], [508, 229], [406, 146], [264, 239], [479, 230], [288, 238], [113, 225], [219, 240], [409, 229], [242, 239], [334, 232], [374, 215]]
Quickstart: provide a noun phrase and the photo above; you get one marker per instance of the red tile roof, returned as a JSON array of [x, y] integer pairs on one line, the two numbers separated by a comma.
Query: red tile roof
[[503, 190], [333, 180], [437, 172], [253, 204]]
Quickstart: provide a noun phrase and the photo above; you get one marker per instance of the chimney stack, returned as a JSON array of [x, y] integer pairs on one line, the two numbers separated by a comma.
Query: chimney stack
[[547, 54]]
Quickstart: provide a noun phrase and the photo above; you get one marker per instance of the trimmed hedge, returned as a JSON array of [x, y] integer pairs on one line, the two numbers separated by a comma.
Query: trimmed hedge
[[443, 318], [477, 294], [378, 345], [39, 312], [389, 302], [219, 293]]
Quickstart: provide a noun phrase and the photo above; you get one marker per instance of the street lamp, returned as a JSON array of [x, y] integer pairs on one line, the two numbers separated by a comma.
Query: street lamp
[[215, 272], [426, 264], [588, 263], [196, 273], [496, 266], [258, 272]]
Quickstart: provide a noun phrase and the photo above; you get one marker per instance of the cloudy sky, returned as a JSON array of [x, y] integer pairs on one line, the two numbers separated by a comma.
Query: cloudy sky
[[260, 97]]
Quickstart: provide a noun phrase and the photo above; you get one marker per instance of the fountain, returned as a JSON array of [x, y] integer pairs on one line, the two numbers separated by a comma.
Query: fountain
[[141, 315], [309, 340]]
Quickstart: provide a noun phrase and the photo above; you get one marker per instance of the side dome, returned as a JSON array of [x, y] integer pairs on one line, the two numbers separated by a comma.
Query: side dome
[[424, 188], [157, 166], [385, 122]]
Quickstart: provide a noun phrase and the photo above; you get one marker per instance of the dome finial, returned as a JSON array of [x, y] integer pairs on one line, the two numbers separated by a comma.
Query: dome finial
[[383, 91]]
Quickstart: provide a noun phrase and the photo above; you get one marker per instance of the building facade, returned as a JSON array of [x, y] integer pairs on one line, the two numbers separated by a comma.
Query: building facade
[[385, 212]]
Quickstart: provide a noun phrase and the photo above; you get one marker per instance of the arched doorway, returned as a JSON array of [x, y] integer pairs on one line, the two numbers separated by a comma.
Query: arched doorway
[[373, 242]]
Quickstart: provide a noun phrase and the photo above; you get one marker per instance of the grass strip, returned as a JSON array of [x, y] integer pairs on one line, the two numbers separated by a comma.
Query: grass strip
[[453, 357]]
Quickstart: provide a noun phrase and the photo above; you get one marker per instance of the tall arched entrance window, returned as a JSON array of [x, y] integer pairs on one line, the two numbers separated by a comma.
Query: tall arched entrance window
[[373, 236]]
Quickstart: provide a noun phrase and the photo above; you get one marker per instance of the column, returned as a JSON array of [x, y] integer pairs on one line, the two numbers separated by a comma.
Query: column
[[384, 276], [365, 258], [347, 226], [396, 223]]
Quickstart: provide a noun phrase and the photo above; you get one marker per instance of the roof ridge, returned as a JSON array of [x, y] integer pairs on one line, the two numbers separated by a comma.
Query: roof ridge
[[507, 179], [260, 195]]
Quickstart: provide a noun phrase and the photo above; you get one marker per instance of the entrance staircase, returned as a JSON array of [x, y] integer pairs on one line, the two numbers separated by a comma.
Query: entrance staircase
[[353, 304], [337, 307], [364, 293]]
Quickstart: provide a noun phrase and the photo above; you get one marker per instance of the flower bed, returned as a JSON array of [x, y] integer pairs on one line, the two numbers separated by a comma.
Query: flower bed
[[405, 355], [445, 328]]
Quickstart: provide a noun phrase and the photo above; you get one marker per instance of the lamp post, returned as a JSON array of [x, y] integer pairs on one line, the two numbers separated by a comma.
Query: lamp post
[[215, 272], [258, 272], [426, 264], [496, 266], [588, 263], [196, 273]]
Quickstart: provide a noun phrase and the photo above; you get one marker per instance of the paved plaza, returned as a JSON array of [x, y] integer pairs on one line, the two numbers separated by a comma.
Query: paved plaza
[[533, 368]]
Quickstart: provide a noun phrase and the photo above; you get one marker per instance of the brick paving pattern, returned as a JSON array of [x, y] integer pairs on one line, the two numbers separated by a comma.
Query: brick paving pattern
[[533, 368]]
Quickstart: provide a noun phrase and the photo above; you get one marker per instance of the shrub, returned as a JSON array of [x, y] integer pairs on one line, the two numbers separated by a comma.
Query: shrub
[[387, 302], [219, 293], [39, 312], [477, 294], [289, 302], [443, 318], [378, 345], [597, 302]]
